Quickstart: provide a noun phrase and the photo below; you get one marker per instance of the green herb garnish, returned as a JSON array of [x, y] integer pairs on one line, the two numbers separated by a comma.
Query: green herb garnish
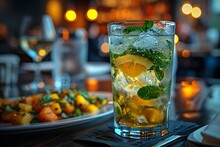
[[159, 73], [156, 57], [62, 105], [147, 25], [70, 99], [47, 98], [170, 45], [8, 108], [152, 92], [84, 94], [149, 92]]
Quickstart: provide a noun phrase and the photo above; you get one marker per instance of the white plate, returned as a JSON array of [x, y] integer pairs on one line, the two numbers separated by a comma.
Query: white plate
[[196, 137], [92, 68], [106, 111]]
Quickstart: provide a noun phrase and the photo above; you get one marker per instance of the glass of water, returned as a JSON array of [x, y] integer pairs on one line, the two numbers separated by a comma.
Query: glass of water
[[141, 54]]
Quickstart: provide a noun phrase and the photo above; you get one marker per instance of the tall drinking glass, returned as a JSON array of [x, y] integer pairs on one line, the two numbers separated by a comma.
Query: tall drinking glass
[[141, 54]]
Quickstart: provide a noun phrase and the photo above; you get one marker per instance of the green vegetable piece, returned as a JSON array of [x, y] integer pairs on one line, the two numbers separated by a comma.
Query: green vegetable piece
[[70, 99], [46, 99], [78, 112], [84, 94], [62, 105], [149, 92], [8, 108]]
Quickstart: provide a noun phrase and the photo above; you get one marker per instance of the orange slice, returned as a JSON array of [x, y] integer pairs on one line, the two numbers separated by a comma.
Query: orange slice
[[132, 65]]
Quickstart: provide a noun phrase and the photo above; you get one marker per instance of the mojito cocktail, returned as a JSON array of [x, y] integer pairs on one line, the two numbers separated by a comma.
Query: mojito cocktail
[[141, 54]]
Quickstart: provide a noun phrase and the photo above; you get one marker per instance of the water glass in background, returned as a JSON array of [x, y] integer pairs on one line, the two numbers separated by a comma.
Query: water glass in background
[[9, 67], [141, 54], [69, 55]]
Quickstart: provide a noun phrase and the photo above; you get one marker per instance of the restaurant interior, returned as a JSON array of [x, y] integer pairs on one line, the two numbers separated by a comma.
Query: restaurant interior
[[81, 25]]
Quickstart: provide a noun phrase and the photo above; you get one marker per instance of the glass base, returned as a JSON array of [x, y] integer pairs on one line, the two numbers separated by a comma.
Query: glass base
[[141, 133]]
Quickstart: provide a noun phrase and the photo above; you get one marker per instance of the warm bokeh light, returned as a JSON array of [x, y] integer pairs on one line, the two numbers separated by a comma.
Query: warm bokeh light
[[42, 52], [196, 12], [187, 8], [195, 83], [186, 53], [70, 15], [176, 39], [105, 48], [65, 34], [54, 9], [92, 14], [189, 90], [184, 83], [92, 84], [41, 84]]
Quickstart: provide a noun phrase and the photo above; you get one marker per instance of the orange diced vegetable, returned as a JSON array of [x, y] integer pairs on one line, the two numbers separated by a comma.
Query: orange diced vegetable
[[69, 108], [54, 96], [21, 118], [25, 107], [6, 116], [56, 108], [81, 102], [92, 108], [47, 115]]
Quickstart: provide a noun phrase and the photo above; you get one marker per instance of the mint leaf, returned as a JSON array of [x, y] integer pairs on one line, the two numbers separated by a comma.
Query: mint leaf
[[170, 45], [132, 28], [159, 73], [149, 92], [167, 87], [147, 25], [156, 57]]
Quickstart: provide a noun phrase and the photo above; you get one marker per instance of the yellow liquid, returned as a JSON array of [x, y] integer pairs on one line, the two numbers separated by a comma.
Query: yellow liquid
[[36, 48]]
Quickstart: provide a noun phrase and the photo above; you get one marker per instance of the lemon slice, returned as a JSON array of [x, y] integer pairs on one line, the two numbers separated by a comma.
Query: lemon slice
[[132, 65], [154, 115], [118, 109]]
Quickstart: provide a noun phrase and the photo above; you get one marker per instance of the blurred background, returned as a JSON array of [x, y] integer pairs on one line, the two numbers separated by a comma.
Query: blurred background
[[197, 27]]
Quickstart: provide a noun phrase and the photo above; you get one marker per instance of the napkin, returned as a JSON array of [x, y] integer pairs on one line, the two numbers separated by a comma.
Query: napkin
[[211, 133], [105, 135]]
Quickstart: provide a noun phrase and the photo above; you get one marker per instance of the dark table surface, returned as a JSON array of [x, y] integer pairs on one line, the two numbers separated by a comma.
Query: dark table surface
[[199, 112]]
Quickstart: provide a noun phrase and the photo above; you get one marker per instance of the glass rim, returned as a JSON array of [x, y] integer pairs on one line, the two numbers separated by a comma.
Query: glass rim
[[121, 22]]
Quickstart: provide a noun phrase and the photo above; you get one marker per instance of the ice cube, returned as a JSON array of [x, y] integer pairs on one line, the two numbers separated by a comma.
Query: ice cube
[[118, 44], [137, 32], [115, 40], [142, 120], [146, 41], [148, 78], [119, 49], [120, 81]]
